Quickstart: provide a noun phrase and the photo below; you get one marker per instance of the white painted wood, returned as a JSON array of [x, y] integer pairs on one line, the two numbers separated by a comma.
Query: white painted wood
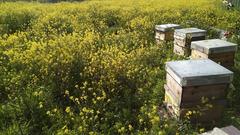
[[213, 46], [167, 27], [190, 32], [229, 130], [198, 72]]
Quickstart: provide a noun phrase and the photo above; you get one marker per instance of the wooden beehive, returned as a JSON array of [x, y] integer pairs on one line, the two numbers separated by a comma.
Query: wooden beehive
[[165, 32], [203, 112], [190, 87], [184, 37], [220, 51]]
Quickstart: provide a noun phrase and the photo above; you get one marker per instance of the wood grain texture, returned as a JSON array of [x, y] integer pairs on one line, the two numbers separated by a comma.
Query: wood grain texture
[[202, 112], [179, 50], [225, 59], [194, 94], [164, 36]]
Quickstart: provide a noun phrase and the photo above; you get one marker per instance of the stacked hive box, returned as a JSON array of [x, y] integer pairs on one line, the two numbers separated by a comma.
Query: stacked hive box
[[220, 51], [165, 32], [184, 37], [192, 88]]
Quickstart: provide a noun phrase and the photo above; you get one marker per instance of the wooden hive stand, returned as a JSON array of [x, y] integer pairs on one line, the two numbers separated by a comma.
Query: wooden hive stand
[[218, 50], [184, 37], [165, 32], [196, 89]]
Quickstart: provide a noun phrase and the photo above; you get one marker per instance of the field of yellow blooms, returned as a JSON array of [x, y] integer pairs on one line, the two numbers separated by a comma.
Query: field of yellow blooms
[[94, 67]]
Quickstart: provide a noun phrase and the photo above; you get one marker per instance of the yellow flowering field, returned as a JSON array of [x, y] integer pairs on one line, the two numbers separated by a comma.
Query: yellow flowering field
[[94, 68]]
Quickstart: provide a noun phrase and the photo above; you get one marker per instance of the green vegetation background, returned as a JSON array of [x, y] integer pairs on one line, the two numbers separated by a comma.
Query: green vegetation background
[[94, 67]]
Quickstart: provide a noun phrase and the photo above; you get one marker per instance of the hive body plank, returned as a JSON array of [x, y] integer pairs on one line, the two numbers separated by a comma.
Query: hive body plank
[[195, 93], [184, 37], [165, 32], [194, 85], [220, 51]]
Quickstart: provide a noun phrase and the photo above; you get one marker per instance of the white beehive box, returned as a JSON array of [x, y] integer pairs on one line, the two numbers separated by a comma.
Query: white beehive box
[[218, 50], [184, 37], [198, 72], [165, 32], [189, 81]]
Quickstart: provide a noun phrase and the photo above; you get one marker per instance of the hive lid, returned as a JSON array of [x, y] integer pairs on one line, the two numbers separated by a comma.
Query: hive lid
[[213, 46], [198, 72], [190, 32], [167, 27]]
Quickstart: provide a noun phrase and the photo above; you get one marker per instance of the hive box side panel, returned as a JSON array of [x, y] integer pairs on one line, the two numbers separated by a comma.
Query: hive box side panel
[[194, 94], [206, 80], [181, 50], [170, 97], [213, 46], [180, 41], [198, 55], [160, 35], [220, 55], [164, 36], [174, 86], [203, 113]]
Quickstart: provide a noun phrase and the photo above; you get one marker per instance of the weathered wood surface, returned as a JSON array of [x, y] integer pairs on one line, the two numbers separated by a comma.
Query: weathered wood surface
[[201, 115], [186, 41], [182, 44], [164, 36], [181, 50], [180, 41], [198, 72], [165, 32], [194, 94], [167, 27], [204, 112], [229, 130], [225, 59], [190, 32], [213, 46], [173, 99]]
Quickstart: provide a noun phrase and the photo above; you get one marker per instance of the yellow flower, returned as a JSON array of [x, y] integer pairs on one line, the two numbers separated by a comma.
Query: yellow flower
[[40, 104], [48, 112], [68, 109], [55, 110], [66, 92], [201, 130], [130, 127]]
